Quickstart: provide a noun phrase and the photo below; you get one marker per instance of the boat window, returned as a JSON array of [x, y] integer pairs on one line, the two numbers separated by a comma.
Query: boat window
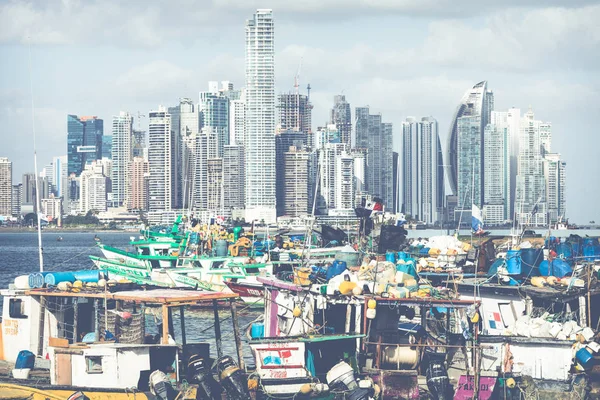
[[93, 364], [217, 264], [16, 308]]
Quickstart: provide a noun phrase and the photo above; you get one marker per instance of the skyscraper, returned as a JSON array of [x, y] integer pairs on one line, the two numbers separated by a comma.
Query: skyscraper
[[470, 162], [237, 117], [160, 160], [283, 141], [137, 193], [122, 127], [93, 188], [296, 182], [185, 128], [477, 102], [295, 112], [5, 187], [233, 177], [497, 172], [341, 116], [260, 117], [555, 173], [84, 141], [422, 193], [214, 114], [376, 137]]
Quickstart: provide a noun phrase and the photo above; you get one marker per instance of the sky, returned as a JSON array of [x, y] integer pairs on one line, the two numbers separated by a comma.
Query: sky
[[400, 57]]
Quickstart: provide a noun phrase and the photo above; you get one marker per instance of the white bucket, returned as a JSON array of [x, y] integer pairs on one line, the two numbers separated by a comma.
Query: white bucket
[[21, 373]]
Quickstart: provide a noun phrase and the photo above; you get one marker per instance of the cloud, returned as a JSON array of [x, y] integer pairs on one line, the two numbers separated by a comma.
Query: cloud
[[153, 80]]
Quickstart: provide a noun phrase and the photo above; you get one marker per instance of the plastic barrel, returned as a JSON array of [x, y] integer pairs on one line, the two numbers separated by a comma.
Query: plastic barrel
[[583, 356], [22, 282], [25, 359], [391, 257], [530, 260], [257, 330], [336, 268], [36, 280], [513, 262], [87, 275], [54, 278], [564, 251], [221, 248]]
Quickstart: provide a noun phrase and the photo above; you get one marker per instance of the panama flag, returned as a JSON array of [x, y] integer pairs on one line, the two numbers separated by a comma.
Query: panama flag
[[476, 219]]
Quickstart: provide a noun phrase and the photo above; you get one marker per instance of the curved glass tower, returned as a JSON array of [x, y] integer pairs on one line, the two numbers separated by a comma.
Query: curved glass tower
[[474, 108]]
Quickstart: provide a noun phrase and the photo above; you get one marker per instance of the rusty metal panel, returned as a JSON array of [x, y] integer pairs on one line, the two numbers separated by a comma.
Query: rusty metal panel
[[403, 385]]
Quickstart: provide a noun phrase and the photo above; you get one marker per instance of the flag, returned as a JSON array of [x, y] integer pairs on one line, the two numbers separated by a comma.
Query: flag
[[476, 219]]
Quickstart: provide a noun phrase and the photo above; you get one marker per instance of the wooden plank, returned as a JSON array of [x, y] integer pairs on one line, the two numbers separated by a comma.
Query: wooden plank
[[63, 369], [165, 324], [58, 342]]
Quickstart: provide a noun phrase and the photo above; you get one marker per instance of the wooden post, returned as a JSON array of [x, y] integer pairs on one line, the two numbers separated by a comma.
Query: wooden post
[[171, 324], [236, 334], [75, 318], [447, 325], [143, 321], [217, 329], [96, 320], [117, 330], [182, 322], [165, 324], [41, 326]]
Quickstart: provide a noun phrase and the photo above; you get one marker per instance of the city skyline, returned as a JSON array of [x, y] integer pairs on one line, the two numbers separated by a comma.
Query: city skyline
[[388, 85]]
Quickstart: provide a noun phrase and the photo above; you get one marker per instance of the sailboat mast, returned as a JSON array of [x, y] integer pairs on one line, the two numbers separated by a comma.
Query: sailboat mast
[[37, 180]]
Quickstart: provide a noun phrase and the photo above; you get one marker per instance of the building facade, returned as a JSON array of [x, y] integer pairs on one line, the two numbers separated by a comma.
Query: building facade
[[422, 190], [160, 160], [233, 177], [341, 117], [84, 141], [6, 206], [260, 117], [295, 112], [122, 145], [296, 182], [93, 195], [138, 184]]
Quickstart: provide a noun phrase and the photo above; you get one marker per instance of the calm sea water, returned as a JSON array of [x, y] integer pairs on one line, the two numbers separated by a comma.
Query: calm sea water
[[19, 256]]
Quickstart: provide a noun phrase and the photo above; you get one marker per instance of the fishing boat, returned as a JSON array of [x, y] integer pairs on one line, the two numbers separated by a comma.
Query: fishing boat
[[97, 343]]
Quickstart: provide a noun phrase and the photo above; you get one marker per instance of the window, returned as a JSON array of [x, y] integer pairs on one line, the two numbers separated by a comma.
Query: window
[[16, 308], [93, 364]]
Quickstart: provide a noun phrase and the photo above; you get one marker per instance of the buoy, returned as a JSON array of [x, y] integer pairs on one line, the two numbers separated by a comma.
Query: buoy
[[305, 389], [510, 382], [371, 313], [64, 286], [372, 304], [297, 312], [475, 318], [357, 291], [78, 284], [376, 390], [102, 283], [346, 287], [252, 384]]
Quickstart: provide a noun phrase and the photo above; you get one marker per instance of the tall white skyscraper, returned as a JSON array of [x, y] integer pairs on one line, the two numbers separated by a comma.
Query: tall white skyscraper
[[122, 128], [5, 186], [260, 117], [160, 160], [555, 173], [185, 127], [237, 119], [422, 190], [93, 188], [496, 187]]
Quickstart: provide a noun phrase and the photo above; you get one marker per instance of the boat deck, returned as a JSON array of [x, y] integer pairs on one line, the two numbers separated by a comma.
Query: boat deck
[[41, 375]]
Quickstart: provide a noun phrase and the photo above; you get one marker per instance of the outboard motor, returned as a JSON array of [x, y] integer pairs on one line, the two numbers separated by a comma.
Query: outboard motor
[[198, 371], [341, 377], [161, 387], [437, 377], [233, 379]]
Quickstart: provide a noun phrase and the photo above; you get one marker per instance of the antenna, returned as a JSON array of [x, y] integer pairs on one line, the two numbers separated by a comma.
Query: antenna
[[37, 181]]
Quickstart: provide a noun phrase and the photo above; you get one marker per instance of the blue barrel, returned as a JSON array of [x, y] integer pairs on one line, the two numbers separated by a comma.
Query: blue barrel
[[25, 359], [257, 330], [583, 356], [550, 242], [403, 255], [54, 278], [557, 267], [87, 275], [36, 280], [576, 247], [391, 257], [531, 260], [513, 262], [221, 248], [564, 251]]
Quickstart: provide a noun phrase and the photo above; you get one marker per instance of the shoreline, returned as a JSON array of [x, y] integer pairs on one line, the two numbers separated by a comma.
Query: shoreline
[[64, 230]]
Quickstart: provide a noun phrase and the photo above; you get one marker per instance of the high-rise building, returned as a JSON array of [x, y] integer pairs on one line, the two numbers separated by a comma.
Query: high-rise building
[[295, 112], [260, 117], [497, 172], [214, 114], [325, 134], [160, 160], [122, 138], [140, 148], [59, 176], [283, 141], [233, 177], [376, 137], [470, 162], [422, 193], [237, 117], [514, 132], [327, 157], [84, 141], [555, 173], [185, 127], [93, 189], [341, 116], [478, 103], [344, 182], [107, 146], [214, 186], [138, 182], [206, 149], [5, 187], [296, 182], [52, 207], [531, 196], [16, 194]]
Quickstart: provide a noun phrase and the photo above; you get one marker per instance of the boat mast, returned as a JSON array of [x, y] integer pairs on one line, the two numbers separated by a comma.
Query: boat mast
[[37, 181]]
